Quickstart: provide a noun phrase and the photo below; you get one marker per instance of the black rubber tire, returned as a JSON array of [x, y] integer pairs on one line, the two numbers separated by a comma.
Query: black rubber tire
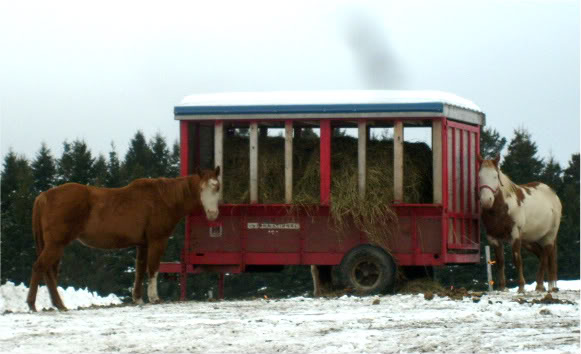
[[368, 270]]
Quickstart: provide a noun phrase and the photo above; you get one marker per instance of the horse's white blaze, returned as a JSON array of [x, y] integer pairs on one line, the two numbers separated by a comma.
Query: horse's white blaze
[[152, 289], [210, 196], [489, 182]]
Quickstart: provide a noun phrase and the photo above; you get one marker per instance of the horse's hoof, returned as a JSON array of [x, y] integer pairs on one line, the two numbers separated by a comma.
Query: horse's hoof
[[62, 309], [554, 290], [138, 301], [541, 289], [521, 290], [32, 308]]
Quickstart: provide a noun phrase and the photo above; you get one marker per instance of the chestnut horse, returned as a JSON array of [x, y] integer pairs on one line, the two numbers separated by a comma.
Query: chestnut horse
[[142, 214], [526, 215]]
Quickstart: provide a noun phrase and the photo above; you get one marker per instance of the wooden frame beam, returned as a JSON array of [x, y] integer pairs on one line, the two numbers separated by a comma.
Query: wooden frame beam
[[398, 139], [288, 161], [253, 162], [219, 152], [361, 157], [437, 161]]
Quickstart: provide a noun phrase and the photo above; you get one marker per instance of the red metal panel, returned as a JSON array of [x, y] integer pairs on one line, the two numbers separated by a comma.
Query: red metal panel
[[325, 161], [323, 258], [184, 147]]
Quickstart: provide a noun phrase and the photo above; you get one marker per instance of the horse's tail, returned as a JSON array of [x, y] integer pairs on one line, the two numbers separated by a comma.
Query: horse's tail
[[39, 203]]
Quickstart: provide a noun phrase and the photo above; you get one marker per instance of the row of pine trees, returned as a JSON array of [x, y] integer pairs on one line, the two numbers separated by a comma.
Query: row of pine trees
[[112, 271]]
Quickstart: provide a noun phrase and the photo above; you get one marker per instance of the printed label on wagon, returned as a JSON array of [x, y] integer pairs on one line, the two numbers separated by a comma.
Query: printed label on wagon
[[270, 226]]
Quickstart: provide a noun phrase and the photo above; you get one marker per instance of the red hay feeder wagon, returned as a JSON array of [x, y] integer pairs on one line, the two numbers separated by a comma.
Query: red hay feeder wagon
[[253, 235]]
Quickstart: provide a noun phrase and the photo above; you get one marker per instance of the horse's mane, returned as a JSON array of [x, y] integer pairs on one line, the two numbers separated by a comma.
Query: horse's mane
[[174, 191], [508, 187]]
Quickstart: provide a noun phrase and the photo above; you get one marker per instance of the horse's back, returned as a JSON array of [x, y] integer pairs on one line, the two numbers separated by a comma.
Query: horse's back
[[542, 209]]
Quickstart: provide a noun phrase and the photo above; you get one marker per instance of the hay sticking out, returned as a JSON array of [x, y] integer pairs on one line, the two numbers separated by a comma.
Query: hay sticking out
[[372, 215]]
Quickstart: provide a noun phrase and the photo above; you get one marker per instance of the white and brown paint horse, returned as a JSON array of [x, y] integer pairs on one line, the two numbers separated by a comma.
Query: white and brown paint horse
[[142, 214], [525, 215]]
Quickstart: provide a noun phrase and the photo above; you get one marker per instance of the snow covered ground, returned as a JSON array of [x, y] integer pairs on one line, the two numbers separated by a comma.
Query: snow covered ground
[[397, 323]]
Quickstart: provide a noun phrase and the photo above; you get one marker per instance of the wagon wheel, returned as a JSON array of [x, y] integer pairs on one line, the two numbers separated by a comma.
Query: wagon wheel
[[368, 270]]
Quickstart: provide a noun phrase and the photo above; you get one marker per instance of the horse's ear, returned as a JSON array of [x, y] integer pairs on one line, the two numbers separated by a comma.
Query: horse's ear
[[217, 171], [496, 160], [480, 159]]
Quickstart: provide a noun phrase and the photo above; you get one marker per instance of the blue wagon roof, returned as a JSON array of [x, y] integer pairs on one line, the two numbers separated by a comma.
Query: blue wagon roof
[[323, 104]]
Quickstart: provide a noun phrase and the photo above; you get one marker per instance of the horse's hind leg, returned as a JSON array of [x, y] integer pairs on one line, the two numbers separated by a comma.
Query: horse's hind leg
[[551, 250], [517, 258], [33, 288], [46, 264], [140, 265], [543, 259], [52, 277]]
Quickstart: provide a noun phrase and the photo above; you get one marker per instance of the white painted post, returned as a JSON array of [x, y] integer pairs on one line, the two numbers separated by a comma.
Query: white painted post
[[488, 267], [437, 161], [253, 163], [288, 161], [219, 151], [398, 162], [362, 150]]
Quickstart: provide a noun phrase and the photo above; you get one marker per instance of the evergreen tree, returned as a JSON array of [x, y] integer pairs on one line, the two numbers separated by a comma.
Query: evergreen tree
[[551, 174], [137, 162], [160, 157], [10, 177], [174, 168], [100, 172], [17, 246], [521, 163], [568, 238], [43, 170], [65, 165], [491, 143], [114, 178]]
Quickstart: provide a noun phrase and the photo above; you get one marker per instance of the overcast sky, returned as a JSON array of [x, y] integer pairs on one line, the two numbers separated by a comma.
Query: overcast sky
[[103, 70]]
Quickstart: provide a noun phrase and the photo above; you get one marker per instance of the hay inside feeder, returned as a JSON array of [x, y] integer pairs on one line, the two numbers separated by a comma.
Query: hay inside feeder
[[373, 214]]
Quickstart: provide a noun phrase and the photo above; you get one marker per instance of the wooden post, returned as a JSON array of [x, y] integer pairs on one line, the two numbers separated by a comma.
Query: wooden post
[[488, 267], [253, 163], [219, 151], [398, 162], [362, 150], [437, 161], [288, 161]]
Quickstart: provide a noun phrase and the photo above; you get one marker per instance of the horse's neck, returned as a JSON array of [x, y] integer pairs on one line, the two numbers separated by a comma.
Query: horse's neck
[[191, 193], [507, 186]]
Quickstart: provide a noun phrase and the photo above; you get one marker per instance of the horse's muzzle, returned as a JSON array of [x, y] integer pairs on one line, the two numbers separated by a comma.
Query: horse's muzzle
[[212, 214]]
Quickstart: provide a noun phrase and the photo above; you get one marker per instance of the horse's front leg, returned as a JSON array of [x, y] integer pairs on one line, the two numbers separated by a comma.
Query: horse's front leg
[[140, 265], [517, 257], [154, 252], [499, 258]]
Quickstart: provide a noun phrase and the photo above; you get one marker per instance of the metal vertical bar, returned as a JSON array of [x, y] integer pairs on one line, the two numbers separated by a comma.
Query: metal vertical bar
[[184, 171], [253, 162], [462, 210], [488, 267], [325, 161], [184, 148], [446, 201], [361, 157], [219, 151], [398, 139], [288, 161]]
